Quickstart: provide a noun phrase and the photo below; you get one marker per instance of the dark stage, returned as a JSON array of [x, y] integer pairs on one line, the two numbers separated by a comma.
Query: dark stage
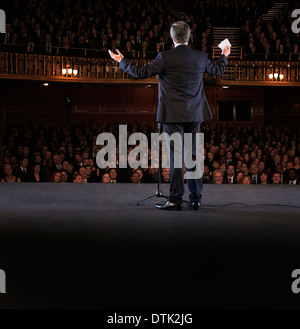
[[90, 246]]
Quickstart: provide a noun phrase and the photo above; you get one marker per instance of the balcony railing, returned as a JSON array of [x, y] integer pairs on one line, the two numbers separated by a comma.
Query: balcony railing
[[262, 72], [105, 70]]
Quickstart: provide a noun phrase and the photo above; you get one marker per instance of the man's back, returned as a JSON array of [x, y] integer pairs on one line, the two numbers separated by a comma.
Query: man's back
[[181, 92], [182, 97]]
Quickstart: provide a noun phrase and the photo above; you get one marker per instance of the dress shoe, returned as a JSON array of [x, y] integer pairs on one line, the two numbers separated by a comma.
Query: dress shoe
[[195, 205], [170, 206]]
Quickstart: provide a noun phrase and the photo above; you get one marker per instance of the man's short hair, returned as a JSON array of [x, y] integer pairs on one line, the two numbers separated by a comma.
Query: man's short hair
[[218, 171], [180, 32]]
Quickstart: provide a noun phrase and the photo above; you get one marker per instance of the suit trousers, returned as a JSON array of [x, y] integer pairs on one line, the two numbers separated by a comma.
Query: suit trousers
[[177, 174]]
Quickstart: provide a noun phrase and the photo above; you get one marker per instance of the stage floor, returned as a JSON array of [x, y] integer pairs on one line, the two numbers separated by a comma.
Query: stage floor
[[90, 246]]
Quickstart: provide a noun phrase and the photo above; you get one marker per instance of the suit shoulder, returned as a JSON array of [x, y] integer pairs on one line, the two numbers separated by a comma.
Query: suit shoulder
[[199, 53], [166, 52]]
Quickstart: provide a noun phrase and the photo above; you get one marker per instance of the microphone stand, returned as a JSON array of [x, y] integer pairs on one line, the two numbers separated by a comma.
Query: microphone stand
[[158, 193]]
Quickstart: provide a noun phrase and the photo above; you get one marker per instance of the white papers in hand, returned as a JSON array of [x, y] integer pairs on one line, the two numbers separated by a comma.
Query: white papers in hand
[[224, 44]]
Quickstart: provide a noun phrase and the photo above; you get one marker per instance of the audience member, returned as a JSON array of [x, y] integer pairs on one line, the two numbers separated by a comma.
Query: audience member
[[8, 175]]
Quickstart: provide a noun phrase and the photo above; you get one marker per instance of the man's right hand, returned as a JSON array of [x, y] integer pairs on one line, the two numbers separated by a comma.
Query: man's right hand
[[226, 51]]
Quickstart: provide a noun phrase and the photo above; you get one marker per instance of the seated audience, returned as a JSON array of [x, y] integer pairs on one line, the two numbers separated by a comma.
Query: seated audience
[[231, 152]]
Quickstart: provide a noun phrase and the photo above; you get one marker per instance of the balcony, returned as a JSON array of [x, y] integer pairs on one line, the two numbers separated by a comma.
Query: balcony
[[87, 69]]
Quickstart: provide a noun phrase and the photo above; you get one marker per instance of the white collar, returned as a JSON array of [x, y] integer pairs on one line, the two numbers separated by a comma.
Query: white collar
[[180, 44]]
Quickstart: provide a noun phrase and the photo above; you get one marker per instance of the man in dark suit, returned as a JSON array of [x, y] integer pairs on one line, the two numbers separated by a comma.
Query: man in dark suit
[[182, 101], [292, 177], [254, 174], [21, 170], [230, 174]]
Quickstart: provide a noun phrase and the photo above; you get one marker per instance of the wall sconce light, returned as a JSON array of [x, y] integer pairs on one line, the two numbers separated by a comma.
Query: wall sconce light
[[68, 72], [276, 75]]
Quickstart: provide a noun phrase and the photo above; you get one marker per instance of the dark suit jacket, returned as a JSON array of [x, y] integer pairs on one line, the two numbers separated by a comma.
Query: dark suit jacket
[[180, 73], [227, 180], [287, 181], [258, 179], [19, 173]]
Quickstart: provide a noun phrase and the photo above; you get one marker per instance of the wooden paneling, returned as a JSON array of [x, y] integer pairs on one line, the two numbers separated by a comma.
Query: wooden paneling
[[281, 106], [210, 95], [85, 98], [31, 98], [12, 97], [235, 93], [2, 100], [143, 99], [55, 98], [255, 95], [30, 101], [116, 99]]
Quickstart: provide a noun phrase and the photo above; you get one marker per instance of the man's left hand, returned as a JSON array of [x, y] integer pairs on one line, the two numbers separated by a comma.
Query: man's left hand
[[117, 57]]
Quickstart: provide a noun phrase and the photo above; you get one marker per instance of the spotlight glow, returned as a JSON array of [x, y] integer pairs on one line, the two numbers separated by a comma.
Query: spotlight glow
[[64, 71]]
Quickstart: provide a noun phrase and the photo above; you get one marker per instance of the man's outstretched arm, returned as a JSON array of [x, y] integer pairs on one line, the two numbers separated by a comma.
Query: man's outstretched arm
[[139, 72], [220, 67]]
